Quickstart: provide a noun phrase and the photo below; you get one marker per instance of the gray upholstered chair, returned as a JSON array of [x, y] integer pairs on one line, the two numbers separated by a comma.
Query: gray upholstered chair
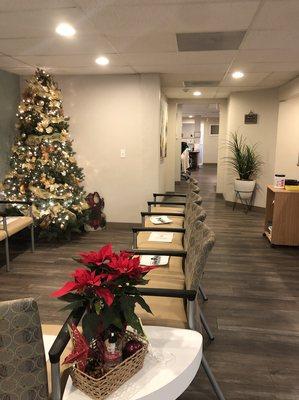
[[193, 213], [10, 224], [23, 369], [176, 303]]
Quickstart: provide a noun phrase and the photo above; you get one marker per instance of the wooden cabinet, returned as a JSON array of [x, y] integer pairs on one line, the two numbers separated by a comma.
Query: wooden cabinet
[[282, 217]]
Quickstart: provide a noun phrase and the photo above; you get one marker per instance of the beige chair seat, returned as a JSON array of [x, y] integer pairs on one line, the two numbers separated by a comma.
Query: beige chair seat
[[161, 209], [16, 225], [177, 222], [166, 311], [2, 234], [173, 268], [144, 243], [64, 368]]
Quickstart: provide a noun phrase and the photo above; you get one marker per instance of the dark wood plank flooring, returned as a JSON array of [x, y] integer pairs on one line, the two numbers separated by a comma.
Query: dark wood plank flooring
[[253, 304]]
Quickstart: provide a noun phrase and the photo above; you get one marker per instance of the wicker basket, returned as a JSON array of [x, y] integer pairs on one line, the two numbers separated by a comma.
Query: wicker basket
[[101, 388]]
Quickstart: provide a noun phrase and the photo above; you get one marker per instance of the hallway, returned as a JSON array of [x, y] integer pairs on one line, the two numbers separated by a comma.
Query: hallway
[[253, 306]]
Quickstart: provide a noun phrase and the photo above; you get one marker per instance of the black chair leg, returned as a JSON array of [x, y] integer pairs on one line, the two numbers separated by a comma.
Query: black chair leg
[[206, 326], [202, 292], [212, 379]]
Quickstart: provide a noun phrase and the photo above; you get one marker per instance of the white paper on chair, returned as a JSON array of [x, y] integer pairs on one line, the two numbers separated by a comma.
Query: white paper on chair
[[8, 221], [160, 219], [165, 237], [154, 260]]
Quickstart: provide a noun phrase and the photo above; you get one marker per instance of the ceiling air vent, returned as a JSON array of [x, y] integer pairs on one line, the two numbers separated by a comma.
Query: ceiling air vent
[[209, 41], [194, 84]]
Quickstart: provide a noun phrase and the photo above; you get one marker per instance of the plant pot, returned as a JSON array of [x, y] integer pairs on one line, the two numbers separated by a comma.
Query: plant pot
[[245, 188]]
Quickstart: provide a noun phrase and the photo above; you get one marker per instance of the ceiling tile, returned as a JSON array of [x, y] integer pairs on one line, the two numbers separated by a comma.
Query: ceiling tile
[[182, 69], [266, 66], [150, 42], [185, 17], [65, 61], [54, 45], [20, 5], [280, 14], [91, 70], [175, 80], [250, 79], [40, 23], [270, 39], [179, 93], [268, 55], [189, 58]]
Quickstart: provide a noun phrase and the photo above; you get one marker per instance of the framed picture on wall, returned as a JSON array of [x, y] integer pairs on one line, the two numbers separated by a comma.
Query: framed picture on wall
[[214, 130], [163, 128]]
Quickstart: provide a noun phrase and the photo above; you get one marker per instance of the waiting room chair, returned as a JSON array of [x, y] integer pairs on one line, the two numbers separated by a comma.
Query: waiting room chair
[[24, 372], [11, 224], [176, 303]]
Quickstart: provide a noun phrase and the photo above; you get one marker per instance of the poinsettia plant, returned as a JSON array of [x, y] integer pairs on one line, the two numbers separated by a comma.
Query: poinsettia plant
[[107, 288]]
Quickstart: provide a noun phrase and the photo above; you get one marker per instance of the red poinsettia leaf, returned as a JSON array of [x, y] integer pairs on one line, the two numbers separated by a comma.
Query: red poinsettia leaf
[[68, 287], [105, 253], [105, 294]]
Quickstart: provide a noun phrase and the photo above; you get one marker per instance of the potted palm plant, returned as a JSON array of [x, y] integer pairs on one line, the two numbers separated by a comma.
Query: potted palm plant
[[246, 162]]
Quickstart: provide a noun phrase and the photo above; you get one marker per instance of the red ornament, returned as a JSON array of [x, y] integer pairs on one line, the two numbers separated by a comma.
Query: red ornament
[[131, 347]]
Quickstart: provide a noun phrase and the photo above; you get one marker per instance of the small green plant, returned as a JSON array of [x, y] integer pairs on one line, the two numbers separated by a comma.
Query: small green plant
[[244, 158]]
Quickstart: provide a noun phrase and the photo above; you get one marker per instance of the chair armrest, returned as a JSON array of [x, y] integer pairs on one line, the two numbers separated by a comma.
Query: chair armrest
[[153, 252], [157, 292], [174, 203], [63, 336], [169, 195], [173, 214], [150, 229]]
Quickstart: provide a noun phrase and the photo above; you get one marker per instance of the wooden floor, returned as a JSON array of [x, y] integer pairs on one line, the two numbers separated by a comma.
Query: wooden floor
[[253, 304]]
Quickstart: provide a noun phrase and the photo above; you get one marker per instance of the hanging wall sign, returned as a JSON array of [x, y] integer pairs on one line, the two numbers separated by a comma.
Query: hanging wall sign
[[250, 118]]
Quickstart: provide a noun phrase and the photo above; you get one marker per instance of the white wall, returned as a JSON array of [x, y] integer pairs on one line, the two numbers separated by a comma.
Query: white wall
[[287, 149], [9, 97], [221, 147], [265, 104], [109, 113], [210, 142], [187, 130]]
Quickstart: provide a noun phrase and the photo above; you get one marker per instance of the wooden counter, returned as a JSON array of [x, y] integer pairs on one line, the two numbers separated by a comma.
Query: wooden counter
[[282, 213]]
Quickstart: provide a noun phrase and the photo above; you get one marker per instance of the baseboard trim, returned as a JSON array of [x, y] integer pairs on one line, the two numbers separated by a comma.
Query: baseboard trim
[[240, 206], [123, 225]]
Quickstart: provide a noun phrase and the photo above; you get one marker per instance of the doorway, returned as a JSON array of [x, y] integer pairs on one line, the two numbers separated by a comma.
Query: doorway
[[200, 130]]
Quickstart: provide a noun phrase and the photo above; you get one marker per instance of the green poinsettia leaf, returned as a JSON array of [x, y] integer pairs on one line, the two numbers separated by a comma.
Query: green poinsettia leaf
[[140, 300], [111, 316], [70, 297], [73, 306], [90, 325]]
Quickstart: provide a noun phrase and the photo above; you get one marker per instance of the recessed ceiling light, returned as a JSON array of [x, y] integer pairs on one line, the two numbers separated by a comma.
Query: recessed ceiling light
[[190, 116], [65, 29], [102, 60], [197, 93], [237, 74]]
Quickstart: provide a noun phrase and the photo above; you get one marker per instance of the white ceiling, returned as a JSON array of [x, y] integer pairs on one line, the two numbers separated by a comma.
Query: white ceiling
[[138, 36], [203, 110]]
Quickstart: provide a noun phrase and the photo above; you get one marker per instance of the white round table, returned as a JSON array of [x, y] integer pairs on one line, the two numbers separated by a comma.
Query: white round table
[[172, 362]]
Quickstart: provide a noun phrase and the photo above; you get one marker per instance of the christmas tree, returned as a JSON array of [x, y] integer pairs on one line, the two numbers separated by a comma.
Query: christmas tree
[[43, 167]]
